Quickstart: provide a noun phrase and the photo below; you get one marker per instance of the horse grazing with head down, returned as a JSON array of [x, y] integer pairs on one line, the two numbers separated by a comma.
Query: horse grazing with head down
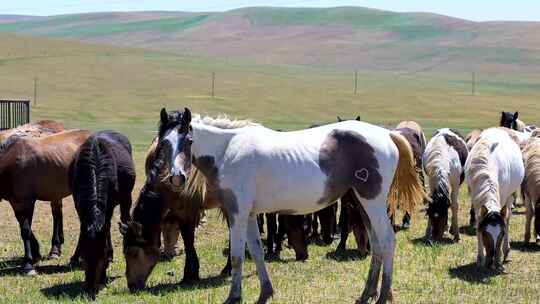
[[444, 164], [258, 170], [102, 175], [494, 171], [37, 169], [530, 188]]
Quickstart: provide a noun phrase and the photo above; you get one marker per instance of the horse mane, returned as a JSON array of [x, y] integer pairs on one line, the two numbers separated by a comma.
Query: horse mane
[[483, 186], [94, 171], [438, 168], [4, 145], [147, 212], [222, 121]]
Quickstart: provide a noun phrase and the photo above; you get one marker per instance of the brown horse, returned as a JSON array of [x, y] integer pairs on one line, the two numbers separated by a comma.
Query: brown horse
[[37, 169], [530, 188], [414, 134], [40, 129], [183, 211]]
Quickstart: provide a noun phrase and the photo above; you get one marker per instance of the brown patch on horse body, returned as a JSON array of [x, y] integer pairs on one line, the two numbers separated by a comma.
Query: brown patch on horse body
[[349, 161], [461, 148], [512, 135]]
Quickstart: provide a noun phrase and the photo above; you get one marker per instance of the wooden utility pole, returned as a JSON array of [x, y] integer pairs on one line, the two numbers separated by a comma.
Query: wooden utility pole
[[473, 83], [35, 91], [213, 83], [355, 81]]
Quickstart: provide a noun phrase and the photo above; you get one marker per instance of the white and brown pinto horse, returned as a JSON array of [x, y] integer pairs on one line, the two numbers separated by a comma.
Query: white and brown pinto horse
[[444, 164], [494, 172], [259, 170]]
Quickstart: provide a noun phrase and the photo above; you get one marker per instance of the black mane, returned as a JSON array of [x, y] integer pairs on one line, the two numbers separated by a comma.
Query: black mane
[[147, 212], [492, 218], [440, 201]]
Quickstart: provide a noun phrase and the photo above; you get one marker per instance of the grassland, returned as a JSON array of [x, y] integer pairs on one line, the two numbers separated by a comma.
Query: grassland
[[96, 87], [347, 37]]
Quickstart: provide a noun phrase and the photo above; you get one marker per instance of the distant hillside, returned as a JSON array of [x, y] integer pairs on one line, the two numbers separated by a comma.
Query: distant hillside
[[343, 37]]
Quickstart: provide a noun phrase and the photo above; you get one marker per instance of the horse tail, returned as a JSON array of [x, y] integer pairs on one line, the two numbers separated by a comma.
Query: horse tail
[[537, 217], [406, 191], [91, 186]]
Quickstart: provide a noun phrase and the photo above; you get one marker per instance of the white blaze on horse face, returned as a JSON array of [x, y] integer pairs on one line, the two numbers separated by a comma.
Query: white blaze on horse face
[[177, 172]]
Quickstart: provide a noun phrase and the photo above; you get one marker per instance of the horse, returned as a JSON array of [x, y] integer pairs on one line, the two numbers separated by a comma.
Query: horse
[[40, 129], [352, 219], [444, 164], [101, 176], [37, 169], [511, 121], [494, 171], [472, 137], [294, 226], [258, 170], [414, 134], [530, 188]]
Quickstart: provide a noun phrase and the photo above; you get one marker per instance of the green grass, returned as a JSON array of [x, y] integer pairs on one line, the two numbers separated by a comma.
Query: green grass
[[96, 87]]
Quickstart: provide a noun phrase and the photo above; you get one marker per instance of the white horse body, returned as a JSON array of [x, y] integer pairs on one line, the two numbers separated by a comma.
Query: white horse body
[[443, 167], [286, 168], [495, 171], [258, 170]]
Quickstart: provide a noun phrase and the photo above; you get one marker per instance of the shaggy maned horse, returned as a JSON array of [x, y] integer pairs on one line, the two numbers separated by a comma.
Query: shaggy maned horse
[[472, 137], [259, 170], [511, 121], [530, 188], [444, 164], [40, 129], [494, 171], [37, 169], [101, 176], [414, 134]]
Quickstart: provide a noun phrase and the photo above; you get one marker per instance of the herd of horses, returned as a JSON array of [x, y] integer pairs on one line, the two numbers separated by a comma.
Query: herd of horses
[[251, 173]]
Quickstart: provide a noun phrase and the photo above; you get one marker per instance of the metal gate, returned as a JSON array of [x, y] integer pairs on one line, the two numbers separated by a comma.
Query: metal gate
[[14, 113]]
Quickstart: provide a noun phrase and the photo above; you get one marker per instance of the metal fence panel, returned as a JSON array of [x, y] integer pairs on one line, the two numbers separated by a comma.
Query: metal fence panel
[[14, 113]]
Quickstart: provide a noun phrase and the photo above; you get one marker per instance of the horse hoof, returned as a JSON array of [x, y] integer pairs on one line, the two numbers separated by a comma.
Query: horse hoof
[[30, 273], [53, 256]]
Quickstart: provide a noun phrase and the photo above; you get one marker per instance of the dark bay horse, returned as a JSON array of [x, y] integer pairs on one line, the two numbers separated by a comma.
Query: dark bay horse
[[37, 169], [101, 176]]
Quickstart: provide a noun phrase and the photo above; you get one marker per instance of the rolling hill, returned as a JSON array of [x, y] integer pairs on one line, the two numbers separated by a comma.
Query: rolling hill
[[342, 37]]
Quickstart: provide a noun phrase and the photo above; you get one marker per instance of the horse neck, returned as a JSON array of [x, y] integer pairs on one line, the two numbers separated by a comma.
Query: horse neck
[[211, 141], [437, 164]]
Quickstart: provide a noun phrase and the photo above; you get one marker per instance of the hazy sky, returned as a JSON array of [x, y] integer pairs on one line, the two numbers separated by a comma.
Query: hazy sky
[[479, 10]]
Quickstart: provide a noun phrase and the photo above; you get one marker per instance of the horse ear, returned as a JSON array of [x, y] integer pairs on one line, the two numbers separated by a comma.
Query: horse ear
[[483, 211], [504, 212], [339, 119], [516, 115], [358, 118], [187, 116], [164, 116], [123, 228]]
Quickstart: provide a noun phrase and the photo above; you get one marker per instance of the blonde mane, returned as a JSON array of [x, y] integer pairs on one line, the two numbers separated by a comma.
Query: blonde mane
[[222, 121], [483, 186]]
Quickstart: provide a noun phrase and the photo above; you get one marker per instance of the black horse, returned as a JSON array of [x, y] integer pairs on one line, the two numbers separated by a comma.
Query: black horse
[[101, 176]]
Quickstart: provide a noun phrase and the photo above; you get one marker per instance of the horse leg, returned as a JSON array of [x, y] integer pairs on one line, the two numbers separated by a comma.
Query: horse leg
[[472, 217], [58, 230], [171, 233], [76, 257], [191, 267], [256, 251], [381, 239], [238, 234], [281, 232], [506, 238], [24, 216], [455, 213], [528, 219], [271, 225], [344, 225], [260, 222]]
